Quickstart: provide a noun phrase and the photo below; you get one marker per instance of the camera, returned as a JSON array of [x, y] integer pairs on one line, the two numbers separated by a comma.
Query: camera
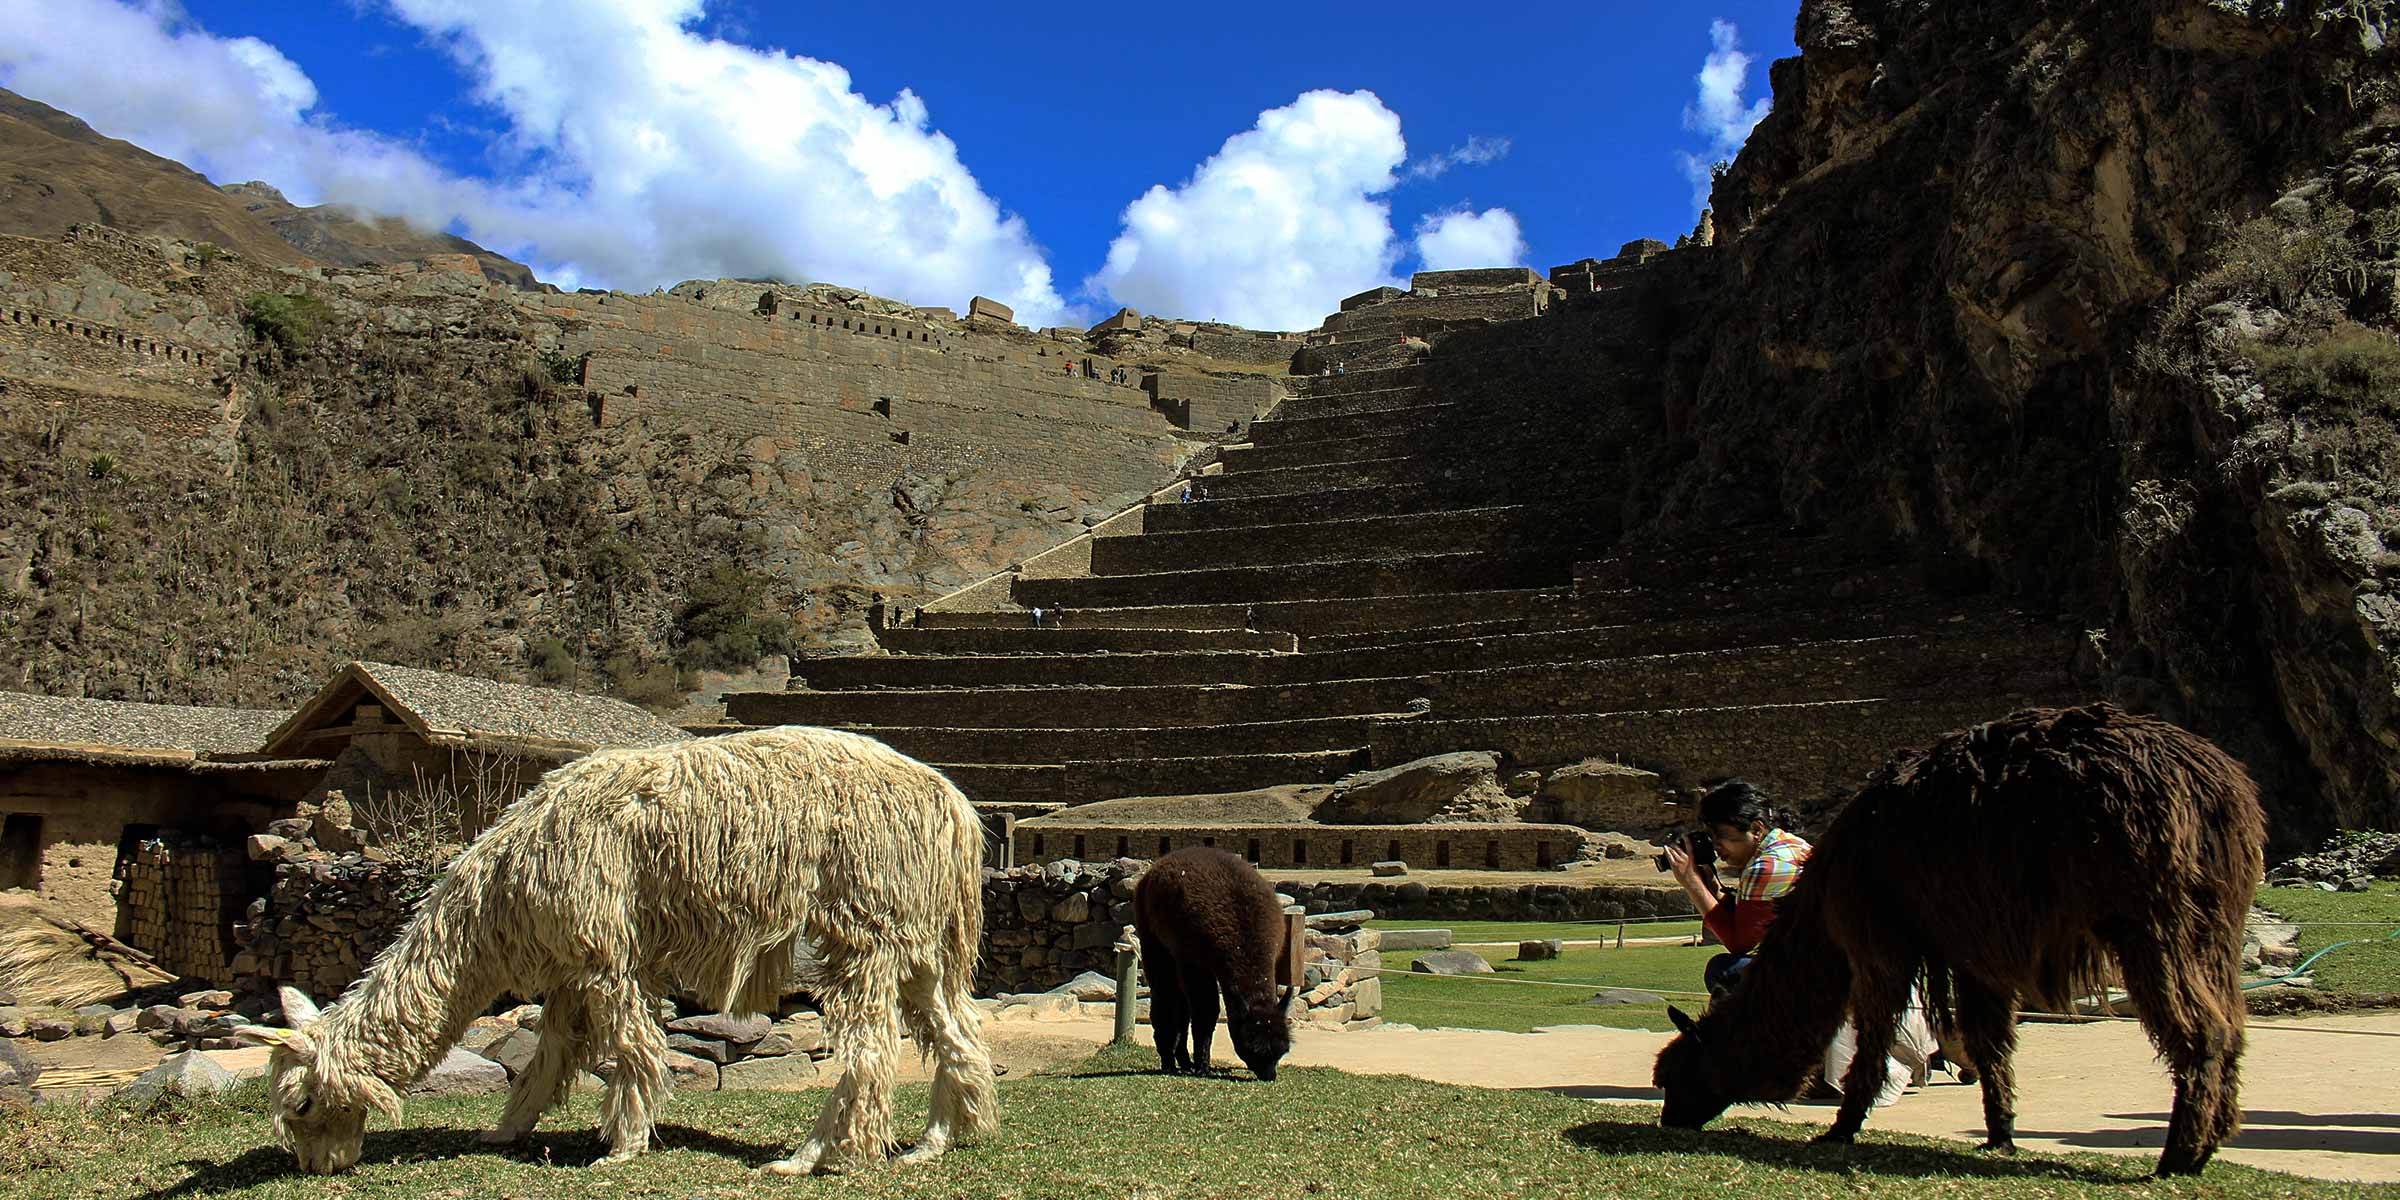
[[1696, 844]]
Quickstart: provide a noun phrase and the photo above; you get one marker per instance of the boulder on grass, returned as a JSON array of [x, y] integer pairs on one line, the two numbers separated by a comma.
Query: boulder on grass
[[190, 1073], [1450, 962]]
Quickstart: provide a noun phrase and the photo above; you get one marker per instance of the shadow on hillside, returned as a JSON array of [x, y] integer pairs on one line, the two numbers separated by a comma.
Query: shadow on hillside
[[566, 1147], [1870, 1158]]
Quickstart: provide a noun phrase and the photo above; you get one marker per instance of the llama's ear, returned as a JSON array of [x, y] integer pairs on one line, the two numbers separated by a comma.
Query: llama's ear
[[299, 1011], [1684, 1021], [300, 1044]]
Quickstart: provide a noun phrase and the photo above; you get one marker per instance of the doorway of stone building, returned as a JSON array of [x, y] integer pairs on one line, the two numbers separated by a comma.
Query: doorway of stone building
[[21, 851]]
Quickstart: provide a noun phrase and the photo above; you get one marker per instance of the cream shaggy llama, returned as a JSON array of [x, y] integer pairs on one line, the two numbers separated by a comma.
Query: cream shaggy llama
[[690, 866]]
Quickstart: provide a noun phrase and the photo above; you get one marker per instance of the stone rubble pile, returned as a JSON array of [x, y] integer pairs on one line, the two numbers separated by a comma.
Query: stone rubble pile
[[2348, 862]]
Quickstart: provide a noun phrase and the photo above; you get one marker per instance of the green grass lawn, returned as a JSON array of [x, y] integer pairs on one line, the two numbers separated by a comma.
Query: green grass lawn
[[2361, 968], [1526, 931], [1476, 1002], [1106, 1128]]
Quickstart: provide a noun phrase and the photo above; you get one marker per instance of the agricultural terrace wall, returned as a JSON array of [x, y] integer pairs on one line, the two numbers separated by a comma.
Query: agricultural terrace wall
[[875, 398], [1510, 847], [114, 404]]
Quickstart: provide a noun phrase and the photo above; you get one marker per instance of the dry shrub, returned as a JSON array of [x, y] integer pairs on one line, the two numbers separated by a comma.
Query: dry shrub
[[427, 821]]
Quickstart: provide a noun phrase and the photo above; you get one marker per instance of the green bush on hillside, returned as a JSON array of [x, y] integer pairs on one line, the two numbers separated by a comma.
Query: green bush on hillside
[[290, 322]]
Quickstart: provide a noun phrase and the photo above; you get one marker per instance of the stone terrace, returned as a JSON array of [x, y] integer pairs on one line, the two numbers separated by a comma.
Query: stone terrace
[[1320, 607]]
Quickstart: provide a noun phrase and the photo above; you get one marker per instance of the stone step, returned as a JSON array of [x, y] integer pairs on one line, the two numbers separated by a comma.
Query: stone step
[[1980, 662], [1281, 431], [1111, 779], [1349, 383], [1294, 481], [1809, 756], [1071, 707], [1307, 618], [929, 743], [1394, 576], [1243, 459], [1307, 407], [1330, 505], [1351, 538], [1568, 671], [1029, 641], [1001, 783]]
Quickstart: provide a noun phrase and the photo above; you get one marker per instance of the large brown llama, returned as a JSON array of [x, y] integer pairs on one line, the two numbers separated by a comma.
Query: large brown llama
[[695, 865], [2001, 865], [1210, 925]]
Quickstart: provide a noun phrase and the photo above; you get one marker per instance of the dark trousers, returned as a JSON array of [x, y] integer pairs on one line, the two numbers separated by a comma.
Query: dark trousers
[[1724, 972]]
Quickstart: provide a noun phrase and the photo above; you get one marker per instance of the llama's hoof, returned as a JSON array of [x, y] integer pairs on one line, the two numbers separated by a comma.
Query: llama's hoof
[[1834, 1137], [1998, 1147], [925, 1151], [804, 1163], [614, 1157]]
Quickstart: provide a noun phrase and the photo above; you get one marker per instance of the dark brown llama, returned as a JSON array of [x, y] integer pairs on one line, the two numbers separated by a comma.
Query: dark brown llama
[[2000, 866], [1210, 924]]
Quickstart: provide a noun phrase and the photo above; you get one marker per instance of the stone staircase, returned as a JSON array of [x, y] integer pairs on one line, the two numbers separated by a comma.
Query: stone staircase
[[1320, 607]]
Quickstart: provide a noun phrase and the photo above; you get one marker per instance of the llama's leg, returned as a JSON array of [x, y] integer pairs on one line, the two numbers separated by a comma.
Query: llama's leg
[[565, 1043], [1200, 995], [862, 999], [625, 1024], [2184, 1007], [1169, 1012], [1987, 1025], [1876, 1003], [941, 1014]]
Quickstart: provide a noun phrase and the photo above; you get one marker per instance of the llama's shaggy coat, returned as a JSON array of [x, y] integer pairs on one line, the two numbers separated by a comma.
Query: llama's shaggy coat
[[2005, 864], [691, 866], [1210, 925]]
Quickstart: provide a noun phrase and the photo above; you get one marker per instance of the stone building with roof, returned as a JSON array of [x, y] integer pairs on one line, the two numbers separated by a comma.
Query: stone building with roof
[[83, 781], [386, 728], [86, 785]]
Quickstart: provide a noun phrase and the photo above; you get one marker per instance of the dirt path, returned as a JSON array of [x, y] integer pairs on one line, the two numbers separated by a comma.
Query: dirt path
[[2316, 1104]]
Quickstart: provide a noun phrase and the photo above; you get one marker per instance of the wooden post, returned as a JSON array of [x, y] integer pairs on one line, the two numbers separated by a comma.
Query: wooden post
[[1292, 969], [1127, 959]]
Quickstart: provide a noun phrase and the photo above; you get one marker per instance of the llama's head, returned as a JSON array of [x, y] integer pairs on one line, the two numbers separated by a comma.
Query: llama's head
[[320, 1103], [1694, 1074], [1262, 1037]]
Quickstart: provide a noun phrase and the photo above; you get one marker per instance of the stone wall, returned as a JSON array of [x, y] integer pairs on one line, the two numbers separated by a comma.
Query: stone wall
[[869, 397], [1212, 404], [325, 918], [1501, 847], [177, 901], [1410, 900], [1044, 924]]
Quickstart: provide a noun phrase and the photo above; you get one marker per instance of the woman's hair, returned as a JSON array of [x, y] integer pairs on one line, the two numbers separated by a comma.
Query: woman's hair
[[1737, 802]]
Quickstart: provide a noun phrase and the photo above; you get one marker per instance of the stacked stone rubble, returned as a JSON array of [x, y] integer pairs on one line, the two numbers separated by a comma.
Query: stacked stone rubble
[[1045, 923], [328, 914]]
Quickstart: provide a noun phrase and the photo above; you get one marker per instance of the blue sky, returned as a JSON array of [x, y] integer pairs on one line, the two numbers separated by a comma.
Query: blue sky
[[1067, 164]]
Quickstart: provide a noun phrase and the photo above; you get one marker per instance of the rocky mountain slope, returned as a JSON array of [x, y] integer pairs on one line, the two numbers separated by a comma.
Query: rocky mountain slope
[[56, 171], [2094, 304]]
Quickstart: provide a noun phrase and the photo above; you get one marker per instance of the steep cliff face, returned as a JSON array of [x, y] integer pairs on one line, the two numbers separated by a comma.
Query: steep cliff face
[[2095, 299]]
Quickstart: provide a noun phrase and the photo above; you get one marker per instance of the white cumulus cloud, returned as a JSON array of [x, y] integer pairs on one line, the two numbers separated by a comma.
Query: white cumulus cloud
[[1718, 113], [1461, 240], [1275, 228], [644, 151]]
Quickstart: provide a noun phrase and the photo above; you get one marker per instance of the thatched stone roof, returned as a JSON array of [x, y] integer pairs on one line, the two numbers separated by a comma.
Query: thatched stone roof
[[28, 720], [485, 714]]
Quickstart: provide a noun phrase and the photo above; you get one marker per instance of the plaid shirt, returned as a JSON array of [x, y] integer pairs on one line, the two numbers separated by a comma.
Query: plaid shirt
[[1741, 918], [1776, 867]]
